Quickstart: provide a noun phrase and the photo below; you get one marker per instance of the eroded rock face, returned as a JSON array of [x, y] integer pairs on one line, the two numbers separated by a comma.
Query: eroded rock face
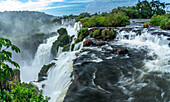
[[87, 43]]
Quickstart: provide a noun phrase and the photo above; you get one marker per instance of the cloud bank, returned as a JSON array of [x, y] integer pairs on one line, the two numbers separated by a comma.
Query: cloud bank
[[16, 5]]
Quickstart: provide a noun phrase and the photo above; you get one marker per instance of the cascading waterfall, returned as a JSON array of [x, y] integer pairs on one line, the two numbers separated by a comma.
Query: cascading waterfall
[[59, 76], [42, 56], [159, 51], [158, 45], [58, 79]]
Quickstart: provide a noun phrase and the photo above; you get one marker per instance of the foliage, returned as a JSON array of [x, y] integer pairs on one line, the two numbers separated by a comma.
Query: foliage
[[156, 20], [45, 69], [146, 25], [162, 21], [6, 71], [66, 48], [109, 20], [81, 35], [62, 40], [82, 15], [18, 92], [96, 33], [13, 91], [143, 9], [105, 32]]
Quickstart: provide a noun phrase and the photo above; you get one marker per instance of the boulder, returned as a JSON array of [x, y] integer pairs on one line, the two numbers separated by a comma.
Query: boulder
[[122, 51], [108, 38], [87, 43]]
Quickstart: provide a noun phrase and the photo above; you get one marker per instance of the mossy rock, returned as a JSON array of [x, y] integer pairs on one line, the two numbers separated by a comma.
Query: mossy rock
[[105, 32], [43, 71], [72, 47], [146, 25], [66, 48], [81, 35], [63, 39], [62, 31], [96, 33]]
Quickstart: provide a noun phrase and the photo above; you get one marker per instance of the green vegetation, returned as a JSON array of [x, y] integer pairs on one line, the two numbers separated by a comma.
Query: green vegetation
[[81, 35], [96, 33], [109, 20], [44, 70], [82, 15], [104, 34], [14, 91], [21, 92], [146, 25], [161, 20], [143, 9], [66, 48], [63, 39]]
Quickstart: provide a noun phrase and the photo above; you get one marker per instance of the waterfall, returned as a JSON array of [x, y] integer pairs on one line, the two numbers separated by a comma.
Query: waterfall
[[42, 56], [157, 46], [59, 76], [59, 79]]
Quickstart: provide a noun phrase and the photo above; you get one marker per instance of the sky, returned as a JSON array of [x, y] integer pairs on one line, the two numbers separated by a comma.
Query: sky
[[65, 7]]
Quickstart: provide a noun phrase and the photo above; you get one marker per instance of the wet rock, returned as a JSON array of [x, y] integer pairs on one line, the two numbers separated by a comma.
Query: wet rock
[[100, 43], [99, 37], [43, 72], [63, 40], [87, 43], [109, 37], [122, 51]]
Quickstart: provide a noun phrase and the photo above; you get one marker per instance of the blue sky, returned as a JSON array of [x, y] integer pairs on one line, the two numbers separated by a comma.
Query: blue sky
[[65, 7]]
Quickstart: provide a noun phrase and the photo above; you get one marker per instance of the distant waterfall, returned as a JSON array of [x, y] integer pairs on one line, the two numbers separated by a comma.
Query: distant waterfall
[[42, 56]]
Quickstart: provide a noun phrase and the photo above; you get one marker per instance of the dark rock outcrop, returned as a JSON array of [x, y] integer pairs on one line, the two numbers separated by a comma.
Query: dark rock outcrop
[[87, 43], [63, 40], [43, 72]]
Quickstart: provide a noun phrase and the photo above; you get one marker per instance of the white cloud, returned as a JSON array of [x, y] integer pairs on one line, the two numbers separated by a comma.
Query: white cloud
[[80, 1], [16, 5]]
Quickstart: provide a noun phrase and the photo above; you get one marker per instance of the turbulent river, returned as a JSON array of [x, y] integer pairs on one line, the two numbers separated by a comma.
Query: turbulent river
[[93, 74]]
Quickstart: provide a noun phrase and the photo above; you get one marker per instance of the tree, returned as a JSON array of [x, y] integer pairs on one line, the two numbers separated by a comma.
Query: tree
[[5, 57], [14, 91]]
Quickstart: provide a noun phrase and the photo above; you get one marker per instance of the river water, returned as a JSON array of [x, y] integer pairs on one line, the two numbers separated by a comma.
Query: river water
[[93, 74]]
